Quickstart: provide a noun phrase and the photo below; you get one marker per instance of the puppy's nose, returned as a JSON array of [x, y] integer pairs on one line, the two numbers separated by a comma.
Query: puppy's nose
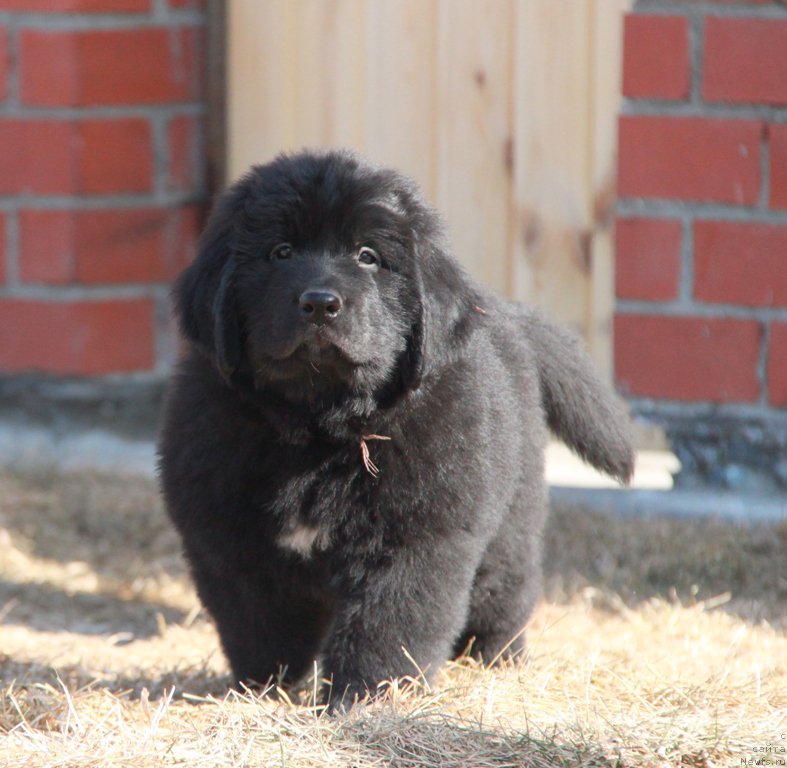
[[320, 307]]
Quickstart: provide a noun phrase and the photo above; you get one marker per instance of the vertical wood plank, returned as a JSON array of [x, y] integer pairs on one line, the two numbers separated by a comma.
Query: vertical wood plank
[[332, 66], [260, 62], [402, 111], [553, 217], [297, 77], [474, 133]]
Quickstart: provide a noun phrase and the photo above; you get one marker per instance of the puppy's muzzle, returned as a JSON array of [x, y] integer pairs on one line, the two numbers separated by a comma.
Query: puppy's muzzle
[[320, 307]]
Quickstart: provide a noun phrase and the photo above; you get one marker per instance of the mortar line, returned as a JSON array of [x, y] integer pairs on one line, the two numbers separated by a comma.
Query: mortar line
[[12, 249], [660, 8], [660, 208], [101, 22], [762, 363], [720, 311], [765, 169], [697, 51], [716, 110]]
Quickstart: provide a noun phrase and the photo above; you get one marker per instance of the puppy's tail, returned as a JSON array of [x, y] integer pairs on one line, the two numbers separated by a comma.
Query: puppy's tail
[[580, 409]]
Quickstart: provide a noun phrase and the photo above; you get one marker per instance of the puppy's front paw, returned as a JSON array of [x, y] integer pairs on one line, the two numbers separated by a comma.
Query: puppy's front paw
[[344, 695]]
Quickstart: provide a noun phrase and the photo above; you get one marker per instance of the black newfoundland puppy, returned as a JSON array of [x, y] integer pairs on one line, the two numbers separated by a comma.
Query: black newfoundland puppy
[[353, 445]]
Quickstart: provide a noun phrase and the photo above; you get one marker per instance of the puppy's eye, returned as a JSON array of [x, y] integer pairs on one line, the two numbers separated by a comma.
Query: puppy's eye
[[368, 258], [281, 252]]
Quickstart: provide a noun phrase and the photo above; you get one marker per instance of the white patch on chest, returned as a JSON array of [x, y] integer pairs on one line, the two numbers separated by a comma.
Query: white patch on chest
[[300, 539]]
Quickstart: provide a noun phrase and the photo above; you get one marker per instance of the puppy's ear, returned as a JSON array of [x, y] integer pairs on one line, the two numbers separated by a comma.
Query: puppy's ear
[[445, 310], [411, 364], [204, 293]]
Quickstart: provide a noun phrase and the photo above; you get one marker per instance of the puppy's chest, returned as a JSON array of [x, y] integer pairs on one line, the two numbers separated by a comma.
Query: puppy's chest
[[346, 499]]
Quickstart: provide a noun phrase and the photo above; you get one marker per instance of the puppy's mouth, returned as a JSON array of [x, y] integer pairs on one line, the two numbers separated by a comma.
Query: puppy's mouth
[[319, 350], [319, 343], [315, 347]]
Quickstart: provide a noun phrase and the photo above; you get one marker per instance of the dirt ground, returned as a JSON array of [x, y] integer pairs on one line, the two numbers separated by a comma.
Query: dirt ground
[[657, 643]]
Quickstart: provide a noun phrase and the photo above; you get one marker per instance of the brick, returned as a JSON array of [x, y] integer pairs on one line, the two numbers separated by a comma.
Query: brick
[[76, 338], [4, 63], [745, 60], [150, 245], [51, 157], [115, 156], [778, 190], [76, 6], [138, 246], [740, 263], [647, 259], [185, 171], [688, 358], [41, 162], [46, 247], [686, 158], [656, 57], [777, 365], [109, 67]]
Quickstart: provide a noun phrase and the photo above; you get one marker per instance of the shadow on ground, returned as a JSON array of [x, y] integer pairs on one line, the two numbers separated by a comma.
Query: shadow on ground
[[33, 675], [117, 529], [680, 560], [48, 609], [412, 741]]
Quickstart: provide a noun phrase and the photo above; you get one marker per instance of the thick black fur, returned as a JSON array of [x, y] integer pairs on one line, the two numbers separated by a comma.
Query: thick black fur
[[299, 550]]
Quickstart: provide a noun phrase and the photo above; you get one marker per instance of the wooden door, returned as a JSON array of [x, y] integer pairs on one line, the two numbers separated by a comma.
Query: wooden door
[[503, 110]]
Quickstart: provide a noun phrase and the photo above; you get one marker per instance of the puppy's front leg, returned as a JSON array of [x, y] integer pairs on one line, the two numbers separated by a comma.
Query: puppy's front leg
[[415, 605]]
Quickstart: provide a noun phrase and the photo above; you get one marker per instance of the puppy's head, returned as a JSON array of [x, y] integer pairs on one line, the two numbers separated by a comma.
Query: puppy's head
[[318, 272]]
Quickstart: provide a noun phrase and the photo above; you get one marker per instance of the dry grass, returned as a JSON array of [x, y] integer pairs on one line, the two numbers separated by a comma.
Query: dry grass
[[659, 644]]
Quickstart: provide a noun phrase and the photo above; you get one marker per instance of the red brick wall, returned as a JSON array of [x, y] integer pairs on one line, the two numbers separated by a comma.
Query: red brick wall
[[102, 108], [702, 230]]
